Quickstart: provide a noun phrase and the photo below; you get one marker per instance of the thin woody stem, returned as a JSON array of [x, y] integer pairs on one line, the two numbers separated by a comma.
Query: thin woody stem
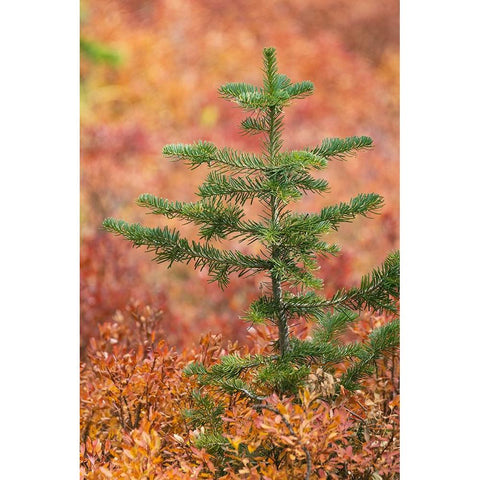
[[281, 317], [282, 321]]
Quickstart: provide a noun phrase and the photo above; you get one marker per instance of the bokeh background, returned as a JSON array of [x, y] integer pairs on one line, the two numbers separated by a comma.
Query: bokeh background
[[150, 70]]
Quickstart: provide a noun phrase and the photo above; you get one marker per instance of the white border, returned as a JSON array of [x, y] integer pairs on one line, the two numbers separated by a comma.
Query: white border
[[439, 186], [39, 188]]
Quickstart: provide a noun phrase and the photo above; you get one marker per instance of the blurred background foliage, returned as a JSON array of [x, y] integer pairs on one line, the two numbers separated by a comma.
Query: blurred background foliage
[[150, 70]]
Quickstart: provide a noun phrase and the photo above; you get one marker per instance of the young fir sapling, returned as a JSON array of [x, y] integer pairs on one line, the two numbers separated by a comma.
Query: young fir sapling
[[290, 243]]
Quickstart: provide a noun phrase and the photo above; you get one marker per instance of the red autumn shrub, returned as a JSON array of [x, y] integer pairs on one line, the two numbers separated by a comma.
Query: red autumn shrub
[[134, 397]]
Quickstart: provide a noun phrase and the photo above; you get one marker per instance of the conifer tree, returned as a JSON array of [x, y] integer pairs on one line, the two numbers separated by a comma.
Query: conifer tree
[[290, 244]]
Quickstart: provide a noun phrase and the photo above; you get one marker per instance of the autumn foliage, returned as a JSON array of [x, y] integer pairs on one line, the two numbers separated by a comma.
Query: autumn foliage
[[134, 397]]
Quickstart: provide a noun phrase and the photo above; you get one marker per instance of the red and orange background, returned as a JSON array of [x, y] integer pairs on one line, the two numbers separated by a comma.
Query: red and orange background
[[158, 85]]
